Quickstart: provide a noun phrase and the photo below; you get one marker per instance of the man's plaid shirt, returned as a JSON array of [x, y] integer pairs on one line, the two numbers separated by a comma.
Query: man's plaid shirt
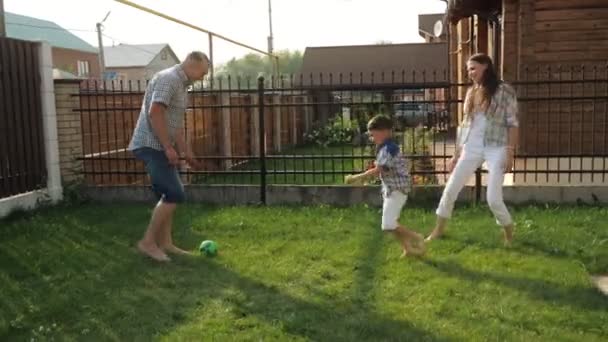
[[501, 115], [170, 88]]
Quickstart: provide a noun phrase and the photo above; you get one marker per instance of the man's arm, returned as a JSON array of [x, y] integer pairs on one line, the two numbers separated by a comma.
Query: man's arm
[[184, 149], [180, 141], [159, 126]]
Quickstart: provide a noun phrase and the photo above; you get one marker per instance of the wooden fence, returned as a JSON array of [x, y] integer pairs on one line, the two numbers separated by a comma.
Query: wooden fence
[[216, 124], [22, 158]]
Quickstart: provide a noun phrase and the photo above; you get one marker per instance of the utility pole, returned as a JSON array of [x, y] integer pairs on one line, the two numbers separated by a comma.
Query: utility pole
[[270, 37], [273, 59], [102, 61], [2, 27]]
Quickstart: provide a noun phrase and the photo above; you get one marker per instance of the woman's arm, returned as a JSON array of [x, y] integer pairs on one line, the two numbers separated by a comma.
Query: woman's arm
[[512, 123]]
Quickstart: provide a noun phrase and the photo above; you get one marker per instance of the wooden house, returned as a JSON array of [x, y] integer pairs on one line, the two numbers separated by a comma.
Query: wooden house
[[555, 52]]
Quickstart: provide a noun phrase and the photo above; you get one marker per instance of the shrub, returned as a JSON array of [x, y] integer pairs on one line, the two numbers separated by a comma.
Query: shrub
[[337, 132]]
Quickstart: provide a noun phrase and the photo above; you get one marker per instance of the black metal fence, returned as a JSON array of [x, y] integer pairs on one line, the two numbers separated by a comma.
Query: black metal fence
[[312, 129]]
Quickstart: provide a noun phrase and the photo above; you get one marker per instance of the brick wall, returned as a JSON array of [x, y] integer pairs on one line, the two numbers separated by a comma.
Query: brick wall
[[69, 130]]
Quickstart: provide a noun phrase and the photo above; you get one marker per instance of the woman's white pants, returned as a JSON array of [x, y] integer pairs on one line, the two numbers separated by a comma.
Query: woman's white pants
[[471, 159]]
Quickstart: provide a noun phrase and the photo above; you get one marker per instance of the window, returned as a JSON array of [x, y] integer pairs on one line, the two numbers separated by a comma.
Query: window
[[163, 55], [83, 68]]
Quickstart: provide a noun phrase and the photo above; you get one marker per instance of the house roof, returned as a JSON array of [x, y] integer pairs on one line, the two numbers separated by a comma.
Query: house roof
[[459, 9], [399, 63], [129, 56], [33, 29], [426, 23]]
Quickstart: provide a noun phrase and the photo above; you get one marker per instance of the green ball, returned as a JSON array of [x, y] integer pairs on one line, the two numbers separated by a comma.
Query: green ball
[[209, 248]]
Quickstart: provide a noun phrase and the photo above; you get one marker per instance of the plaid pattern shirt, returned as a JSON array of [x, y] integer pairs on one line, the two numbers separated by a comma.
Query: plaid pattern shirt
[[170, 88], [500, 116], [393, 169]]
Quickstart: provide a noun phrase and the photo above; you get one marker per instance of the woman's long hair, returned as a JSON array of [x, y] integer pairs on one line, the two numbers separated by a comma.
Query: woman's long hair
[[489, 79]]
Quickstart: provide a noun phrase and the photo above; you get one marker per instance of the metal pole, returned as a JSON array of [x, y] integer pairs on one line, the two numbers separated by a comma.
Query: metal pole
[[181, 22], [262, 140], [2, 27], [478, 186], [211, 67], [102, 60]]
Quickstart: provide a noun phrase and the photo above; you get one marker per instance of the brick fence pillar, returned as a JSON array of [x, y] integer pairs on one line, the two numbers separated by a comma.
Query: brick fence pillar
[[69, 130]]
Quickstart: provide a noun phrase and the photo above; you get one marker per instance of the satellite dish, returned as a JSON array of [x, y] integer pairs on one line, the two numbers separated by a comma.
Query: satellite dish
[[438, 28]]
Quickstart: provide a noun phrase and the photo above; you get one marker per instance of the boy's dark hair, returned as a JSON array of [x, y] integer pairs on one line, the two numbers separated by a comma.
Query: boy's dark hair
[[380, 122]]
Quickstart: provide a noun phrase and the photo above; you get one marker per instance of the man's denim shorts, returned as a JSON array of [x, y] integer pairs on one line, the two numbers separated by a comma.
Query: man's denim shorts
[[164, 176]]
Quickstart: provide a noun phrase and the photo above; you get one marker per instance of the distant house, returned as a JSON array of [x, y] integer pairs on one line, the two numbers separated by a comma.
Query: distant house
[[374, 65], [138, 62], [70, 53], [418, 68]]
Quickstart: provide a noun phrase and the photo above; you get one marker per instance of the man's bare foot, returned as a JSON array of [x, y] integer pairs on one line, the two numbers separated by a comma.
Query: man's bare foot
[[153, 252], [172, 249], [508, 235], [435, 234]]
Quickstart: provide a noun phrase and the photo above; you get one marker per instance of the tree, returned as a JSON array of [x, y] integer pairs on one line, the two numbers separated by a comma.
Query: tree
[[251, 66]]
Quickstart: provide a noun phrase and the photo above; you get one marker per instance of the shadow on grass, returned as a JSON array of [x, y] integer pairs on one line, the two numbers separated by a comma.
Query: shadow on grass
[[86, 278], [577, 252], [318, 323], [586, 298]]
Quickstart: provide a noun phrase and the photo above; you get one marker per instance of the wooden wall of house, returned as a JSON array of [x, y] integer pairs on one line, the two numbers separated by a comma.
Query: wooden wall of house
[[571, 31], [563, 59]]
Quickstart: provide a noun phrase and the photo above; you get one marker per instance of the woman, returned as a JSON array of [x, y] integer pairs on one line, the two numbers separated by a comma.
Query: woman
[[488, 133]]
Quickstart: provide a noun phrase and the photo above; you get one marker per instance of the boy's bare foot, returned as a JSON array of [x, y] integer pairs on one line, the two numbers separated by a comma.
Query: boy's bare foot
[[172, 249], [508, 235], [153, 252], [414, 247], [435, 234]]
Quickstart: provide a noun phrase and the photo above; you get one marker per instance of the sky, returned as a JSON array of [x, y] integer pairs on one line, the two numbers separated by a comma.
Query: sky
[[296, 23]]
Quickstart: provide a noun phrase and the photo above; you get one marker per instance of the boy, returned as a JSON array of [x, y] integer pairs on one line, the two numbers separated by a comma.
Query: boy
[[391, 168]]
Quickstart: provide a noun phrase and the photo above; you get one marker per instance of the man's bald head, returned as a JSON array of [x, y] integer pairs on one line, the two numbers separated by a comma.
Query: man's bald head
[[196, 65]]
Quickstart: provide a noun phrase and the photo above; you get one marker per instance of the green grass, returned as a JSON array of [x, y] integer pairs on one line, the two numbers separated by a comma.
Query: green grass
[[305, 273]]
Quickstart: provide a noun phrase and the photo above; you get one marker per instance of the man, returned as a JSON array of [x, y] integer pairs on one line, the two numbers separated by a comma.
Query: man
[[158, 140]]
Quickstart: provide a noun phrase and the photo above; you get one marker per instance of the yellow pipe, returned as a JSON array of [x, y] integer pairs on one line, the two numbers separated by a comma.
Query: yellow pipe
[[151, 11]]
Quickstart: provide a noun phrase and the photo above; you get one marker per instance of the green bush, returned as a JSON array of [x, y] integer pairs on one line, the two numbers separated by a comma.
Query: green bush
[[337, 132]]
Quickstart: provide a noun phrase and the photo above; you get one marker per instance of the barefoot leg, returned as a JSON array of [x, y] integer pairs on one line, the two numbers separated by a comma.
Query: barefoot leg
[[164, 236], [439, 229], [508, 235], [147, 245]]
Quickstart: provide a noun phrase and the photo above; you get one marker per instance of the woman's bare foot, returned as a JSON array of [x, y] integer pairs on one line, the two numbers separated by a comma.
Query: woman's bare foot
[[172, 249], [508, 235], [435, 234], [153, 252]]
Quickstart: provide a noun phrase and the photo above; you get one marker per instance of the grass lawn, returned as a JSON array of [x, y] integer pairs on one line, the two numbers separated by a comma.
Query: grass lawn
[[310, 273]]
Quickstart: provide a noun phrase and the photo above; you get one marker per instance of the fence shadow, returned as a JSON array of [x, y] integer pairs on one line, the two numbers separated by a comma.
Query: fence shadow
[[586, 298]]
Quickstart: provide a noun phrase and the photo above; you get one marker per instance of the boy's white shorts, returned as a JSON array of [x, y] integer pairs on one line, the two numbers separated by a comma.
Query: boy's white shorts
[[391, 209]]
